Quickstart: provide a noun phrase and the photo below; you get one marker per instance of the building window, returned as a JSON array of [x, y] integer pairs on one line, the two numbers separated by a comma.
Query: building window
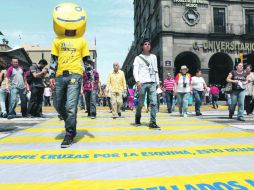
[[249, 16], [219, 20]]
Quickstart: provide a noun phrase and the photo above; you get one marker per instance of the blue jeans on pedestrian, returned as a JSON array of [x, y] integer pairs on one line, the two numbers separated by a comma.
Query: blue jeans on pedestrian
[[66, 96], [215, 98], [182, 101], [3, 96], [81, 102], [169, 99], [198, 96], [237, 96], [14, 92], [90, 97], [150, 89]]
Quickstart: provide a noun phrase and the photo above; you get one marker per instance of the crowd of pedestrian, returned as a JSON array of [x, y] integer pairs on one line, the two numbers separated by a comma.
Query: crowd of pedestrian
[[30, 88]]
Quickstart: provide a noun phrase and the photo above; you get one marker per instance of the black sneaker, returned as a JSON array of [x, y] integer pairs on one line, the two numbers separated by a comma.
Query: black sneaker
[[67, 142], [198, 114], [60, 117], [154, 126], [137, 121], [4, 115], [169, 111], [10, 116], [231, 115], [240, 119], [120, 114]]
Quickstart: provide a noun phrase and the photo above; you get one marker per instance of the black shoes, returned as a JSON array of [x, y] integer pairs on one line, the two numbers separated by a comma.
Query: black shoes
[[231, 115], [3, 115], [10, 116], [67, 142], [153, 125], [137, 121], [169, 111], [120, 114], [198, 114], [60, 117], [93, 116], [240, 119]]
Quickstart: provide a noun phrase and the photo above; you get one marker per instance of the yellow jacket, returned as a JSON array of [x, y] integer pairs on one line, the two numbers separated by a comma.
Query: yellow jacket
[[116, 82]]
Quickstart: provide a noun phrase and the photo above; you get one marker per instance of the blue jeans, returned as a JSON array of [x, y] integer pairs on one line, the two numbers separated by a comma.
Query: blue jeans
[[150, 89], [66, 96], [3, 96], [182, 101], [237, 96], [198, 96], [169, 99], [90, 97], [215, 100], [14, 92], [81, 102]]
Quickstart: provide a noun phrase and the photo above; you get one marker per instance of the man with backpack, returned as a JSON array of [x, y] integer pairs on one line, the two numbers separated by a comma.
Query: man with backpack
[[35, 78]]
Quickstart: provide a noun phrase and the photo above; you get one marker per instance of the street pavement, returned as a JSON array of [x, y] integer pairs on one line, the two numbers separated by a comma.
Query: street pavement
[[210, 152]]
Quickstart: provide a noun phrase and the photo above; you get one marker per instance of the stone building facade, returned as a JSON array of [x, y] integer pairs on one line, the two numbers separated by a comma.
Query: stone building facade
[[202, 34]]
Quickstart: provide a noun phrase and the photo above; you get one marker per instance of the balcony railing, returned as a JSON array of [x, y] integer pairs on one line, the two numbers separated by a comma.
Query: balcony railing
[[249, 29], [228, 28], [219, 29]]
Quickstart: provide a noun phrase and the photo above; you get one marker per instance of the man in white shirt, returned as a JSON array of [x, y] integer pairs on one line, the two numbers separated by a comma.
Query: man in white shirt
[[146, 76]]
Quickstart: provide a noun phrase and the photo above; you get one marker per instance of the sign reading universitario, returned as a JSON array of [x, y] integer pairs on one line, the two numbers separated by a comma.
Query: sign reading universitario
[[192, 3], [225, 46]]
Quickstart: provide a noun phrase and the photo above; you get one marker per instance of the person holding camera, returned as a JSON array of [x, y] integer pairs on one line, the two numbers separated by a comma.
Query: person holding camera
[[90, 89], [145, 72], [38, 72], [182, 90]]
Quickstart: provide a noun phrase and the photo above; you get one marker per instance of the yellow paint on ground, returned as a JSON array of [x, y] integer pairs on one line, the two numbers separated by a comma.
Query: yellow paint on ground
[[118, 138], [130, 128], [225, 181], [114, 155], [108, 122]]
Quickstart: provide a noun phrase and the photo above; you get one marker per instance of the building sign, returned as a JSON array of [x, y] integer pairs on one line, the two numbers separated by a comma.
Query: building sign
[[224, 46], [192, 3], [168, 63]]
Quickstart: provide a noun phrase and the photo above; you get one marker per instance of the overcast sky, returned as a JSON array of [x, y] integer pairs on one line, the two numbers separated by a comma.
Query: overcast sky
[[110, 21]]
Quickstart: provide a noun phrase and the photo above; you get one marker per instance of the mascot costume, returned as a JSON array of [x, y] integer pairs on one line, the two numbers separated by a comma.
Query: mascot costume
[[69, 50]]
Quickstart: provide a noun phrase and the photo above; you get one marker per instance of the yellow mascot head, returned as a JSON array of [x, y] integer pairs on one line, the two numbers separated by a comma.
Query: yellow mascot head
[[69, 17]]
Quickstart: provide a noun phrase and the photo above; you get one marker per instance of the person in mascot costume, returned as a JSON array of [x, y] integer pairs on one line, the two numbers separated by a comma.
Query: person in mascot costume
[[69, 50]]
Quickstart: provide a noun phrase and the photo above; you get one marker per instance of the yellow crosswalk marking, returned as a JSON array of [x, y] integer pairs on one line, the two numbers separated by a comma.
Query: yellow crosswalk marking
[[227, 180], [114, 155], [130, 128], [118, 138]]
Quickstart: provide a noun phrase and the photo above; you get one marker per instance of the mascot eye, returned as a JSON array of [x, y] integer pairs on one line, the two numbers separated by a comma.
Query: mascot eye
[[79, 9], [58, 7]]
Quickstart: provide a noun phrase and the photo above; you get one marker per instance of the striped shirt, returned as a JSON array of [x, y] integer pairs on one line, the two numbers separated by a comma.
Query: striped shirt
[[169, 84]]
